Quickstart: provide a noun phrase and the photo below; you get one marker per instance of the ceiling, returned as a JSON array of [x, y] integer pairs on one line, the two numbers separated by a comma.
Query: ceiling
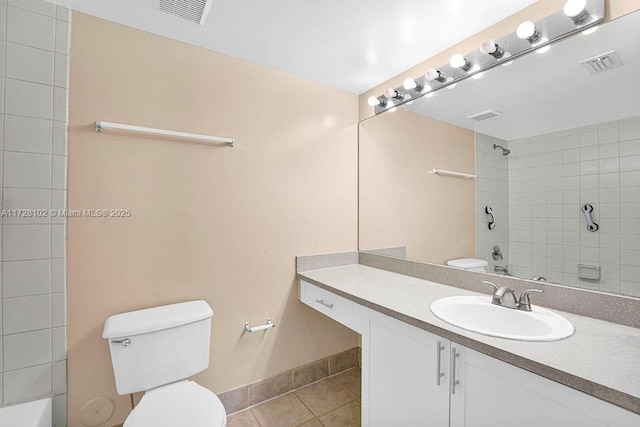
[[352, 45], [548, 92]]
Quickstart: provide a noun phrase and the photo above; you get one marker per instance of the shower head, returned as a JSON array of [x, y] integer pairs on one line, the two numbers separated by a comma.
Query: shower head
[[505, 152]]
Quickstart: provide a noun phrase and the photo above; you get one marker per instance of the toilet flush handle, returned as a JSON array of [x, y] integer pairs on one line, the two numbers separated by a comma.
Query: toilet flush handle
[[125, 342]]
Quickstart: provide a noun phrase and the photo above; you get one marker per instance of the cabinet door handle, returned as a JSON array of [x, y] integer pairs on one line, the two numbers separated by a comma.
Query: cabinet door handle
[[453, 381], [439, 373], [326, 304]]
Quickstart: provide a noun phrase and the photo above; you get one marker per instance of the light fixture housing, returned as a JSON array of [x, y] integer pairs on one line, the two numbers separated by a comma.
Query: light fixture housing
[[576, 10], [433, 74], [411, 84], [391, 93], [374, 101], [544, 48], [490, 47], [540, 36], [459, 61], [528, 31]]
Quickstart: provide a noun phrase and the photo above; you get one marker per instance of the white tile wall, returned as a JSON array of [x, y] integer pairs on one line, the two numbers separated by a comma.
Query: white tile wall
[[492, 190], [29, 99], [26, 242], [24, 278], [26, 314], [28, 135], [30, 29], [599, 165], [34, 49], [27, 349], [28, 383], [37, 6], [29, 63]]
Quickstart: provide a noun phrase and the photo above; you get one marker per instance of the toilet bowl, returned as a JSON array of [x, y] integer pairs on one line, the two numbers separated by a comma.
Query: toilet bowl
[[184, 403], [471, 264], [156, 350]]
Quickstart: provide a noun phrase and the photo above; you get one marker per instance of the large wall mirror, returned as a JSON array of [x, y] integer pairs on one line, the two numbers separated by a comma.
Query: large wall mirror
[[559, 167]]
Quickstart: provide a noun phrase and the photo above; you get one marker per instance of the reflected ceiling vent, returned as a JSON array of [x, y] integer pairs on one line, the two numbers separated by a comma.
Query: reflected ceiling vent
[[191, 10], [603, 62], [484, 115]]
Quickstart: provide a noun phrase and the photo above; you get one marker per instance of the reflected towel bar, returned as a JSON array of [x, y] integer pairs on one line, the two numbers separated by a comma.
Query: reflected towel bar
[[100, 126], [444, 172], [268, 325]]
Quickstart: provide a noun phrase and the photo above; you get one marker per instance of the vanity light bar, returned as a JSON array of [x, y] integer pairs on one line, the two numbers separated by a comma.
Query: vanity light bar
[[576, 16]]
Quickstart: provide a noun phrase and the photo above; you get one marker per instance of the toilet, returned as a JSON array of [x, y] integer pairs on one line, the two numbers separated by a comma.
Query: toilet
[[470, 264], [156, 350]]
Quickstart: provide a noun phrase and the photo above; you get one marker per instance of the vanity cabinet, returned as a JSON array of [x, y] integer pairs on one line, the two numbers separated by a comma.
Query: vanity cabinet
[[413, 378], [494, 393], [334, 306], [404, 374]]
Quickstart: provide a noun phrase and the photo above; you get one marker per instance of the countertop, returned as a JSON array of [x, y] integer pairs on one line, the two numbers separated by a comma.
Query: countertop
[[601, 358]]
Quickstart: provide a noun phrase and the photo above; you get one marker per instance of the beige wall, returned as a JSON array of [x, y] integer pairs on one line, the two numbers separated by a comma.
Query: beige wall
[[538, 10], [398, 195], [215, 223]]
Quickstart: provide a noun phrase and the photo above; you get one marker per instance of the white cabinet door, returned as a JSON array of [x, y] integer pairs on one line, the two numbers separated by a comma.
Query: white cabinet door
[[492, 393], [399, 364]]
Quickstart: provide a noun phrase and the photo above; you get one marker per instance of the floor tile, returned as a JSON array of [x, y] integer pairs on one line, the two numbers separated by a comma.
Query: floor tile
[[351, 381], [323, 396], [345, 416], [285, 411], [242, 419], [313, 423]]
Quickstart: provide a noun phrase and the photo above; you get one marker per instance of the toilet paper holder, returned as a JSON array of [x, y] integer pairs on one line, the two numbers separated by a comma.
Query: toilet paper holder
[[268, 325]]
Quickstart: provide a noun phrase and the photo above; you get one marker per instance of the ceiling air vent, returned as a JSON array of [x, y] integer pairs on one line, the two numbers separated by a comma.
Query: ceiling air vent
[[603, 62], [191, 10], [484, 115]]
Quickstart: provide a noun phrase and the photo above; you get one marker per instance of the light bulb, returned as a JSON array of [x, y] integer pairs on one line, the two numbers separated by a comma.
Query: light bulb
[[433, 74], [391, 93], [459, 61], [576, 10], [375, 101], [528, 31], [411, 84], [489, 47]]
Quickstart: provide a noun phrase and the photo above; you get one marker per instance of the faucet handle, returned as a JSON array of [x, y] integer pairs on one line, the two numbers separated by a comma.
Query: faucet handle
[[523, 302], [492, 284]]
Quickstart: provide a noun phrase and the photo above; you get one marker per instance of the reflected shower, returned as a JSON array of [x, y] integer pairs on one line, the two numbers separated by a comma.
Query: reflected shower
[[505, 152]]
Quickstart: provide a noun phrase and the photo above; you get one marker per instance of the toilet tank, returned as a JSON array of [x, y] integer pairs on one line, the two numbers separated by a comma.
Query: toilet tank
[[471, 264], [158, 345]]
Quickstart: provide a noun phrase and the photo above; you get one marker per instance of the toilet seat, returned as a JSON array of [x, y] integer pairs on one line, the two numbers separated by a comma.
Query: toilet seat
[[184, 403]]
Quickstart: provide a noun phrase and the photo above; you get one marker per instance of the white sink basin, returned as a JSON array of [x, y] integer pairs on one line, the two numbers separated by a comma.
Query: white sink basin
[[478, 314]]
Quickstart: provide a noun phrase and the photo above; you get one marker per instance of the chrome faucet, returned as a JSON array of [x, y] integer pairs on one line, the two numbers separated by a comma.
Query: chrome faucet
[[506, 297]]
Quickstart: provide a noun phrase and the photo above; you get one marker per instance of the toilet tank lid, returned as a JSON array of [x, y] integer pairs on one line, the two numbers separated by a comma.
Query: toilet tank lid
[[467, 263], [155, 319]]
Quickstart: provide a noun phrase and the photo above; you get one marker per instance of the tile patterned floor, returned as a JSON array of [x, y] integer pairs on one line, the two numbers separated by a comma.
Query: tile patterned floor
[[332, 402]]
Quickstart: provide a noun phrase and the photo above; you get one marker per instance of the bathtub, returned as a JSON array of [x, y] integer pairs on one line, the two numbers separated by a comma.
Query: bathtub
[[31, 414]]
